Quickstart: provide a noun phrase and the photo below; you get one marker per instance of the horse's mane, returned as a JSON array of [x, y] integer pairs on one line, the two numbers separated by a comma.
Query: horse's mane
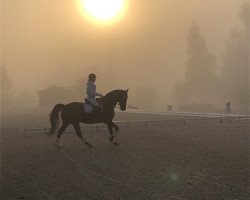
[[110, 94]]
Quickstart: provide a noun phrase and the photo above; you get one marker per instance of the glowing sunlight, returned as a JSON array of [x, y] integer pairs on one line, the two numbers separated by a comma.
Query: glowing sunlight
[[103, 11]]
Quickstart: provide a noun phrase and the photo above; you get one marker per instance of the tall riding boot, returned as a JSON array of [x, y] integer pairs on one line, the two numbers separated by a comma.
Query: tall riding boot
[[96, 110]]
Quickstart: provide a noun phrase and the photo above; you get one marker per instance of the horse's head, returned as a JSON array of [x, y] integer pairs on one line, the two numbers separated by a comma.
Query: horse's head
[[116, 97], [122, 99]]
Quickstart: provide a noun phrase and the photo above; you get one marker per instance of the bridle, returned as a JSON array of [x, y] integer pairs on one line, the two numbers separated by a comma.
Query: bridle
[[117, 105]]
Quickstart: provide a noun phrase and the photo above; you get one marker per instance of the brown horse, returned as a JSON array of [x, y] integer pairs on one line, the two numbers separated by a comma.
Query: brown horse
[[73, 113]]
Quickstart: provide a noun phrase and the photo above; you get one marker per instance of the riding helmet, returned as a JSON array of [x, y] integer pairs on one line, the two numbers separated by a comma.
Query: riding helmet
[[91, 76]]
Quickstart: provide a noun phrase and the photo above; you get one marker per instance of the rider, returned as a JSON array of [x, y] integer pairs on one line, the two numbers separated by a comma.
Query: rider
[[228, 109], [91, 92]]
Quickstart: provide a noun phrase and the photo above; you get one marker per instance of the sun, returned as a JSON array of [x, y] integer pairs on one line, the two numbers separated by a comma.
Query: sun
[[103, 11]]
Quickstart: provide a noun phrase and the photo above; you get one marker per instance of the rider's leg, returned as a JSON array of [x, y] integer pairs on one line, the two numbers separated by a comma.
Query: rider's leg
[[95, 104]]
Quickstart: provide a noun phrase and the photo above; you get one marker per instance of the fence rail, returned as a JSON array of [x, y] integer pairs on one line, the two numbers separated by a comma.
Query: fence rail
[[9, 132]]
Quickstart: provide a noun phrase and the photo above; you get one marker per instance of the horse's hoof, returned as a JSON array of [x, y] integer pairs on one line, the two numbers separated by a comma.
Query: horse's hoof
[[111, 138], [49, 133], [116, 144]]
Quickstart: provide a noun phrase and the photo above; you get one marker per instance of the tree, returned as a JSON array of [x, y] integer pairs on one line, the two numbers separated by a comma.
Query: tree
[[144, 98], [200, 79], [244, 16], [6, 86], [235, 71], [182, 93], [53, 95]]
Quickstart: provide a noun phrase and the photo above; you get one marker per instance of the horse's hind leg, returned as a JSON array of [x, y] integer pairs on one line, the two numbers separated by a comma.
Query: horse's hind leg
[[59, 133], [79, 133]]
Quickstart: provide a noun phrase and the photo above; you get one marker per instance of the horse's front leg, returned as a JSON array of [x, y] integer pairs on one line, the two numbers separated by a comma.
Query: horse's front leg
[[112, 136], [116, 127]]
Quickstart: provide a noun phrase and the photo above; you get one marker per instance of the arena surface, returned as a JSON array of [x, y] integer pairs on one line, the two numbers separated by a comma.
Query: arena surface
[[199, 161]]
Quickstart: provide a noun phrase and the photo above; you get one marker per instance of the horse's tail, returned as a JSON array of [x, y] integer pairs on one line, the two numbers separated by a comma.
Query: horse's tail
[[54, 118]]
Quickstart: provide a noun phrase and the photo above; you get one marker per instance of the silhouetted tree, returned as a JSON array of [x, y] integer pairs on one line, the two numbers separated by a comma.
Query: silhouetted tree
[[144, 98], [6, 86], [53, 95], [244, 15], [235, 71], [78, 90], [182, 93], [200, 80]]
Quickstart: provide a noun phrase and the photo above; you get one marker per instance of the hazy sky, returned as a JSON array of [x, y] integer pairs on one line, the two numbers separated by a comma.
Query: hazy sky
[[46, 42]]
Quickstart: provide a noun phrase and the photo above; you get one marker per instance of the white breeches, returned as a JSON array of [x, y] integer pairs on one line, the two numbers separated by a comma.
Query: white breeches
[[93, 101]]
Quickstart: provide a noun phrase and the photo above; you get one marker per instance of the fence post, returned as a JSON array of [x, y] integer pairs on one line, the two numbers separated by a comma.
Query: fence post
[[185, 122], [240, 119], [222, 120]]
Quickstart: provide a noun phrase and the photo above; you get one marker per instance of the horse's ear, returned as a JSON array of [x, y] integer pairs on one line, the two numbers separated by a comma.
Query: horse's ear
[[126, 90]]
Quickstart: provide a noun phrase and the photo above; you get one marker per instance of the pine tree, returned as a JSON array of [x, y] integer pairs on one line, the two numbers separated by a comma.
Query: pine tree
[[200, 80], [235, 71], [6, 87]]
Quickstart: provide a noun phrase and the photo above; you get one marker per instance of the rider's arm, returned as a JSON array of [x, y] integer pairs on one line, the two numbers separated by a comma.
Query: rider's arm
[[98, 94], [91, 91]]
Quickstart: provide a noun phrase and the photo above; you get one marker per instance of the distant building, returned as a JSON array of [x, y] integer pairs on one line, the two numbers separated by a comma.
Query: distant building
[[52, 95]]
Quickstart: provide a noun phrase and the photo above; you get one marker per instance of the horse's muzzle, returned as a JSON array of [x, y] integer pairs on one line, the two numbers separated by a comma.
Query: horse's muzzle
[[122, 108]]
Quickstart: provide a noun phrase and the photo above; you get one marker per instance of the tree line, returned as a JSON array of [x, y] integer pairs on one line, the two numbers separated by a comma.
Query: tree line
[[205, 82]]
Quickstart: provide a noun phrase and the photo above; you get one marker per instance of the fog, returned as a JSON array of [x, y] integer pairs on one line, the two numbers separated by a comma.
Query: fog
[[47, 43]]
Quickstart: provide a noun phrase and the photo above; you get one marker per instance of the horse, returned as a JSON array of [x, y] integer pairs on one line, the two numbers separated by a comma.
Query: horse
[[73, 113]]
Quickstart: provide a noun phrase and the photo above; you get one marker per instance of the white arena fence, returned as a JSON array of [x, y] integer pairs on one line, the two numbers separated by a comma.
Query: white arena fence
[[184, 119]]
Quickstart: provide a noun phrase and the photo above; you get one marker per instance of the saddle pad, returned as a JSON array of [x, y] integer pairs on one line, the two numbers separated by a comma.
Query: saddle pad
[[88, 108]]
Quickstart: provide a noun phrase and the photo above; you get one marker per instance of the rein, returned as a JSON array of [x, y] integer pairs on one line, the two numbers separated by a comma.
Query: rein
[[118, 106], [112, 99]]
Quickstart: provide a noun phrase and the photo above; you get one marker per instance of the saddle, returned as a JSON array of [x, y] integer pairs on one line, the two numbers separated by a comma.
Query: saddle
[[90, 108]]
